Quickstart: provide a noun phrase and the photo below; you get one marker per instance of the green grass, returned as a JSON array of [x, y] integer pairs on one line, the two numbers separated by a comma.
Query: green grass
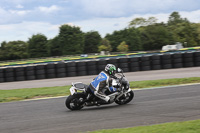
[[174, 127], [164, 82], [21, 94]]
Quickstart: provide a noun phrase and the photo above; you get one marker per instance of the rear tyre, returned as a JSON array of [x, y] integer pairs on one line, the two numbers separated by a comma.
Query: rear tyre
[[125, 99], [74, 102]]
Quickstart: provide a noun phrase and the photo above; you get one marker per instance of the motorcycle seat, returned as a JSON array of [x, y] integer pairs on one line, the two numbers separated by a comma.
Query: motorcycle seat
[[80, 85]]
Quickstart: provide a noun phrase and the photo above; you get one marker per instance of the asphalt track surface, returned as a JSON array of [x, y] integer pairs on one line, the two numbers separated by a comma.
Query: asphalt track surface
[[131, 76], [150, 106]]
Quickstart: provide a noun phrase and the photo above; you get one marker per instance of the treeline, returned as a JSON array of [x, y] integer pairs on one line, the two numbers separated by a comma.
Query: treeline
[[140, 34]]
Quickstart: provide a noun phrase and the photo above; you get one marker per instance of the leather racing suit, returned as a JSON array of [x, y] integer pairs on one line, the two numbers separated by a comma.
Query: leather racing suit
[[103, 80]]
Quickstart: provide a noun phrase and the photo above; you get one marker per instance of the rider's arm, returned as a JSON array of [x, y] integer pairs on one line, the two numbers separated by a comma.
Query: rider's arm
[[113, 85]]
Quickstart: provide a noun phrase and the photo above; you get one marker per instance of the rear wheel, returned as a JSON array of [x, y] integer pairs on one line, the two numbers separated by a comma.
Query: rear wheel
[[74, 102], [124, 99]]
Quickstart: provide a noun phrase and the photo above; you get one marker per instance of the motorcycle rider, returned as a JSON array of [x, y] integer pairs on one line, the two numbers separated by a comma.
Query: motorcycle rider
[[105, 79]]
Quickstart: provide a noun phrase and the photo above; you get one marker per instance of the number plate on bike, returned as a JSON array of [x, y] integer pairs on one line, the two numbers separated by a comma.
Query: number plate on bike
[[72, 90]]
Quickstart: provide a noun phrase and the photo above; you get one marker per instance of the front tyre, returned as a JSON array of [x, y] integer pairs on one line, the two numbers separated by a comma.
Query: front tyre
[[74, 102], [124, 99]]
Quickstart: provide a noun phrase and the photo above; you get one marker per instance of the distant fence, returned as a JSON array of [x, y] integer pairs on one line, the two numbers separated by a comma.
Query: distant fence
[[93, 67]]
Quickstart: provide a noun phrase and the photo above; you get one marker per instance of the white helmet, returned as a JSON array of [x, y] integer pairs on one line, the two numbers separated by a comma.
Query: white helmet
[[110, 69]]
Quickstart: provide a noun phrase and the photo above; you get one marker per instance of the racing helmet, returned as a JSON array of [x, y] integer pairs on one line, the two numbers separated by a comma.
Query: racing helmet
[[110, 69]]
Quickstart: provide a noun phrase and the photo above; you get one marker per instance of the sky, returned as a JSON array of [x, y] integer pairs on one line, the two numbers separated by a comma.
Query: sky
[[20, 19]]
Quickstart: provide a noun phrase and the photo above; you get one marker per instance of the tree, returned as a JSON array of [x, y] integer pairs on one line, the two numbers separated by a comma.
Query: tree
[[137, 22], [175, 18], [70, 40], [131, 36], [133, 39], [2, 50], [183, 31], [196, 32], [105, 46], [38, 46], [92, 41], [54, 49], [116, 38], [14, 50], [142, 22], [151, 21], [123, 47], [153, 37]]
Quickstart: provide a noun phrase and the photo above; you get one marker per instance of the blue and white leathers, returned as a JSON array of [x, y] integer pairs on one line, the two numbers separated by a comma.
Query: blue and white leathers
[[100, 82], [102, 77]]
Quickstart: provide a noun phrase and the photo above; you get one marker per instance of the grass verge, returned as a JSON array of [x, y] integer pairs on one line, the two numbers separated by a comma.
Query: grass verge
[[31, 93], [163, 82], [21, 94], [174, 127]]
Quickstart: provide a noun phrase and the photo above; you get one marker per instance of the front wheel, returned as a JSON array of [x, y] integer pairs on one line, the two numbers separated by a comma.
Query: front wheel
[[124, 99], [74, 102]]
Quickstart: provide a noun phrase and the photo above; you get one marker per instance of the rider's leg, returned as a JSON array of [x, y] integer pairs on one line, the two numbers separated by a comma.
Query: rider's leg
[[102, 96]]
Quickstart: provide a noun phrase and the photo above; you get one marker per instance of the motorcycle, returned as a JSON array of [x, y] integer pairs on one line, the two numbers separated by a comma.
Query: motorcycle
[[82, 96]]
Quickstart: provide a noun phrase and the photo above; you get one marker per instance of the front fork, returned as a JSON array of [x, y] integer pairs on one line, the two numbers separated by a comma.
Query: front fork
[[123, 93]]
